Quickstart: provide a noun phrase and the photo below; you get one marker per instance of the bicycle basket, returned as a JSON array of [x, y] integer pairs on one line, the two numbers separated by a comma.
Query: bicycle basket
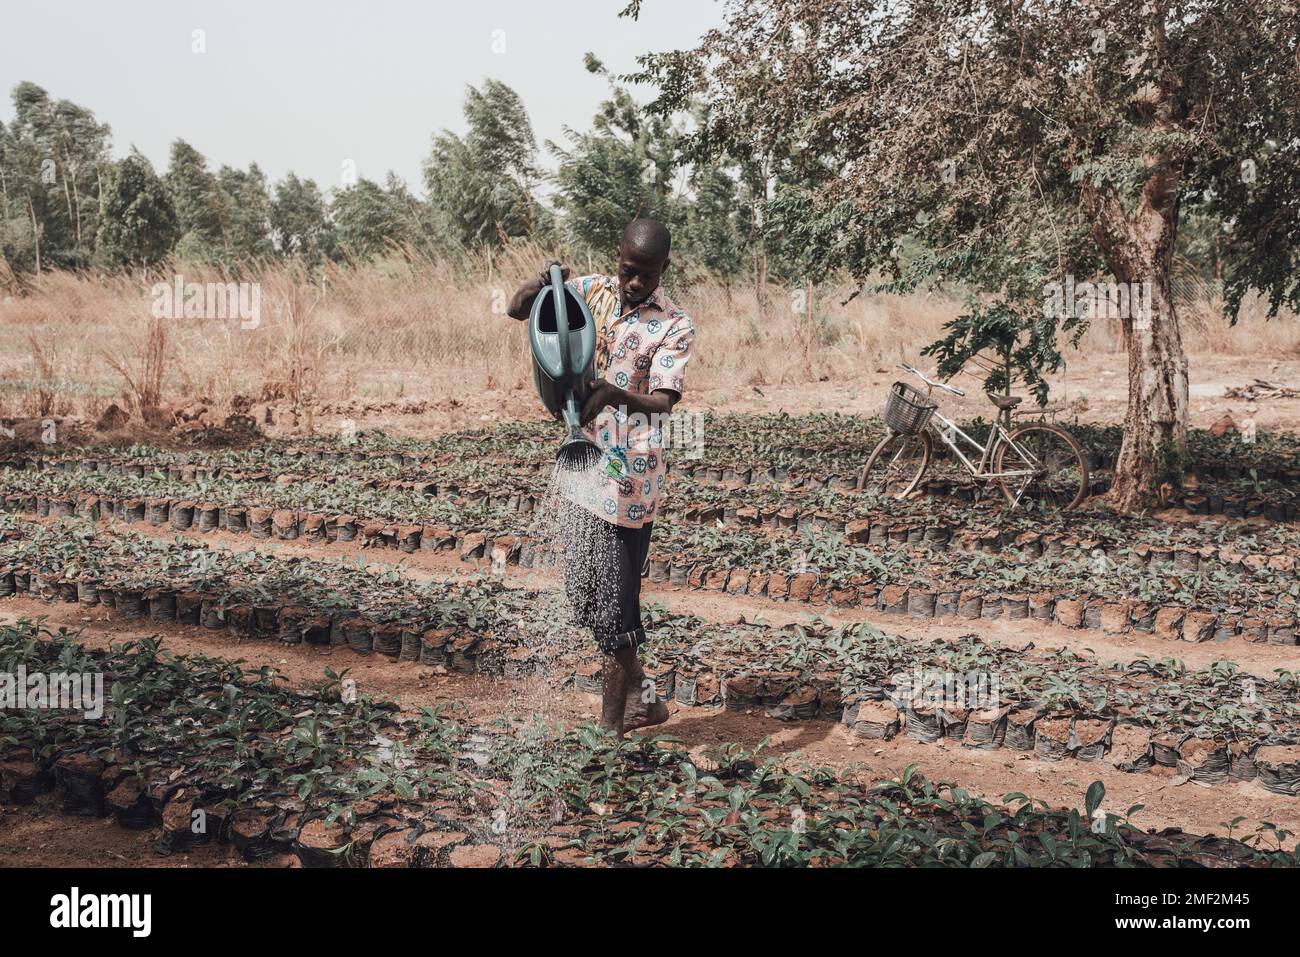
[[908, 410]]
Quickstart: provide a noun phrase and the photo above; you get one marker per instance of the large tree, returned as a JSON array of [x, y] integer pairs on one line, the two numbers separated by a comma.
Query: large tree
[[52, 161], [1019, 143], [624, 166], [369, 220], [138, 226], [74, 152], [300, 224], [200, 204], [25, 202], [713, 235], [480, 187], [247, 221]]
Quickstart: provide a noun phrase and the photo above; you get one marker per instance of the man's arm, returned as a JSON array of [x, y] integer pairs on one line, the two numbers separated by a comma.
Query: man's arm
[[521, 304], [659, 402]]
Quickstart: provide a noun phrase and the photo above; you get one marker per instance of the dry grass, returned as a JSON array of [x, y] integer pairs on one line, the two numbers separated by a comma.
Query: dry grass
[[413, 327], [45, 365], [140, 358]]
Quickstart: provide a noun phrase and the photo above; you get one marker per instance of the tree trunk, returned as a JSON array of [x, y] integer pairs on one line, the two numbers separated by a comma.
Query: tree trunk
[[70, 165], [810, 320], [1139, 250], [67, 197], [1155, 426], [36, 235]]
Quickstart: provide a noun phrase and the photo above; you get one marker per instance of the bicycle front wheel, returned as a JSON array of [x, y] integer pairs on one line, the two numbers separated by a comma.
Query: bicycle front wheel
[[1049, 469], [897, 465]]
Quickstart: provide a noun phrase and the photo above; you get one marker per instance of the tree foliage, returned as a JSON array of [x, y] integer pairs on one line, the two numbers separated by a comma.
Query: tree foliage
[[481, 186], [1015, 144], [139, 224], [200, 204], [369, 219], [247, 199], [300, 222], [623, 166], [52, 159]]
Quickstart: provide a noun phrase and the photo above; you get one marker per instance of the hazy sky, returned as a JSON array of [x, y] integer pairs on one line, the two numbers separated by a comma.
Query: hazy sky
[[304, 86]]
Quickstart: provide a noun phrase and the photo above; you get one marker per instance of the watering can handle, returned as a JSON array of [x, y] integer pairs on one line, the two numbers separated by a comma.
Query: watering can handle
[[561, 318]]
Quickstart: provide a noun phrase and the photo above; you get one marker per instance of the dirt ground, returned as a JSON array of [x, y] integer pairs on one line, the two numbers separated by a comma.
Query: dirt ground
[[1093, 388], [1090, 389]]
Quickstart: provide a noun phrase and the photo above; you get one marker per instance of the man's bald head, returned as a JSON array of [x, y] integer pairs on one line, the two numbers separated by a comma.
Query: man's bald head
[[648, 237], [642, 259]]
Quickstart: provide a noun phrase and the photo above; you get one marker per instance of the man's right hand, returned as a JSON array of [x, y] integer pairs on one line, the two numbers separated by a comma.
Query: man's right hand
[[522, 303], [546, 271]]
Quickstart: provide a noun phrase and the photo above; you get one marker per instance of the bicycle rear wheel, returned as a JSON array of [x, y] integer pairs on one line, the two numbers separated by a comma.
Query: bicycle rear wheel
[[1056, 466], [897, 465]]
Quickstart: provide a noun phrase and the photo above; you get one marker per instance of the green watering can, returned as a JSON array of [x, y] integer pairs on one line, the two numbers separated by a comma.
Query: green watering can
[[562, 335]]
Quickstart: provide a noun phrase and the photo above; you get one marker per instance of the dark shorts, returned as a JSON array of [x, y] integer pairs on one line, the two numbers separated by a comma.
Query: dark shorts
[[602, 578]]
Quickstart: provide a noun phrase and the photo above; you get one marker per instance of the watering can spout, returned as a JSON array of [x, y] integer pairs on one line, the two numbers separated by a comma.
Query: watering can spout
[[562, 337], [577, 453]]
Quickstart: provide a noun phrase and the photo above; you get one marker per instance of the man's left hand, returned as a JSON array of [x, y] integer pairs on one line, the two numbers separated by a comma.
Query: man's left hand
[[602, 394]]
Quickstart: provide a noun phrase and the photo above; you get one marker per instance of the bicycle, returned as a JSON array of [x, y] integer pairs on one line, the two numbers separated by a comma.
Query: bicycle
[[1038, 464]]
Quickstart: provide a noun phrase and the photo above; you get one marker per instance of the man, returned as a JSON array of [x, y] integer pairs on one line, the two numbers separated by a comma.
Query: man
[[643, 343]]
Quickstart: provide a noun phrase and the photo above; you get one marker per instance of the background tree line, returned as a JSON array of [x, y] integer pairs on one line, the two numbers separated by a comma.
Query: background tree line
[[66, 203]]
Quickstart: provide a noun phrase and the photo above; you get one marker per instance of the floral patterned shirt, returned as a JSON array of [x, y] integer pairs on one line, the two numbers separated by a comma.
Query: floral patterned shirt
[[642, 351]]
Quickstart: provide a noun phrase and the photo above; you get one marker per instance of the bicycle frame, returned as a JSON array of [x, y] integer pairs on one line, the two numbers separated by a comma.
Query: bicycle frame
[[951, 430]]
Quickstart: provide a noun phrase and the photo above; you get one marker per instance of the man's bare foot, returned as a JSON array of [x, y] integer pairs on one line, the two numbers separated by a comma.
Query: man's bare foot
[[656, 713], [616, 684], [638, 713]]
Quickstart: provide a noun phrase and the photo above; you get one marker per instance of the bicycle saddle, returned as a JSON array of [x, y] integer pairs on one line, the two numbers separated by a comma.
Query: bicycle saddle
[[1006, 402]]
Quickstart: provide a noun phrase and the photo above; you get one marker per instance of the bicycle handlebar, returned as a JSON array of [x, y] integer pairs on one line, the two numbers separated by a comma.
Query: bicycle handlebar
[[930, 382]]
